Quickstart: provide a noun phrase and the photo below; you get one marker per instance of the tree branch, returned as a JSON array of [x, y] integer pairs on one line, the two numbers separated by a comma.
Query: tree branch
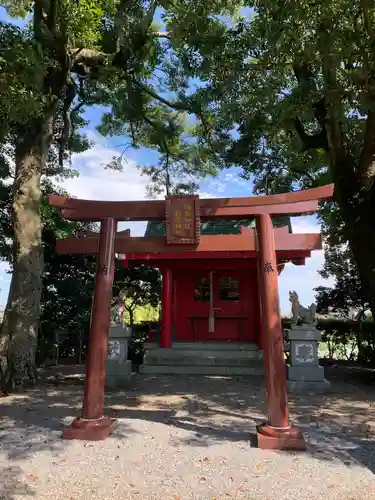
[[38, 19], [332, 102], [90, 55], [70, 94], [303, 73], [179, 106], [147, 20], [305, 77], [83, 61], [366, 6], [298, 173], [160, 34], [52, 16], [366, 166], [314, 141], [163, 141]]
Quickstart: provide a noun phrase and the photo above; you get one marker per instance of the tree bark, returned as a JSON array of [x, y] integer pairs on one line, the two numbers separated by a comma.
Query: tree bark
[[357, 205], [19, 331], [362, 242]]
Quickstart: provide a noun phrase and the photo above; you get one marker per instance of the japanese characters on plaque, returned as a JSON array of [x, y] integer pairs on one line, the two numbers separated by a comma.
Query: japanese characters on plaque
[[182, 220]]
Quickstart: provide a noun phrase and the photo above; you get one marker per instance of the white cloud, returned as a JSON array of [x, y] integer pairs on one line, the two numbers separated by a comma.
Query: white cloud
[[229, 183], [305, 278], [95, 137], [204, 194], [216, 188], [4, 282], [305, 224], [4, 266], [97, 183]]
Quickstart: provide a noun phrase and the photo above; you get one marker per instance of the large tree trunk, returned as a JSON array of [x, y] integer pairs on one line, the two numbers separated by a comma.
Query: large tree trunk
[[362, 242], [357, 206], [19, 332]]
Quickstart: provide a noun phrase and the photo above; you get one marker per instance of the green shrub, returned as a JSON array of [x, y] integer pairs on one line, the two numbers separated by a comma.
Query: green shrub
[[348, 339]]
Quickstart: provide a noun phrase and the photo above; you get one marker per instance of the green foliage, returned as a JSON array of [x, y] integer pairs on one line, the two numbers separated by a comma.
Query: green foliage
[[346, 339], [21, 85], [80, 21], [289, 95], [143, 314], [138, 113], [84, 19], [271, 80], [154, 105], [75, 54], [347, 296], [17, 8], [68, 283], [68, 288], [113, 55], [141, 287]]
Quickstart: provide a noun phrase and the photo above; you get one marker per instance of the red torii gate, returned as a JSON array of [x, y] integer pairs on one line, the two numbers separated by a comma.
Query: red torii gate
[[263, 243]]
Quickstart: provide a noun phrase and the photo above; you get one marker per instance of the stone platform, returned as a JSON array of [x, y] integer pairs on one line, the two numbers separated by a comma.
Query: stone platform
[[118, 365], [303, 371], [204, 358]]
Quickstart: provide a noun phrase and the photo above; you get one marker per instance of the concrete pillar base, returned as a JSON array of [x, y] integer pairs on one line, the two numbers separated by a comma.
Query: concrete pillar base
[[305, 386], [270, 438], [90, 430], [301, 373]]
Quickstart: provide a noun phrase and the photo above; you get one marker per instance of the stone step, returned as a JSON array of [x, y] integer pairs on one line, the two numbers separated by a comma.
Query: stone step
[[201, 370], [210, 346], [168, 355], [201, 362]]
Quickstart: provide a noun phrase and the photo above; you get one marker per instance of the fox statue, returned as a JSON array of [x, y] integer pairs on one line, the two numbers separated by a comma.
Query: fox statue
[[300, 313], [118, 311]]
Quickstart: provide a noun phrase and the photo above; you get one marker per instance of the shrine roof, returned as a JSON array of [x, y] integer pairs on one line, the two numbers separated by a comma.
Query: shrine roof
[[218, 226]]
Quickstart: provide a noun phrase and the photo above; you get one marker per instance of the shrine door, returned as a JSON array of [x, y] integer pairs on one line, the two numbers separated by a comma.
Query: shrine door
[[222, 308]]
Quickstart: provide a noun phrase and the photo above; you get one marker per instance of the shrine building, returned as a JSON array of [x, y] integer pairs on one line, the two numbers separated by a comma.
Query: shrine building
[[215, 322]]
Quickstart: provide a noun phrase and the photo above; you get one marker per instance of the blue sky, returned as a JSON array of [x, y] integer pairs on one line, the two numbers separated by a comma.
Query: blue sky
[[95, 182]]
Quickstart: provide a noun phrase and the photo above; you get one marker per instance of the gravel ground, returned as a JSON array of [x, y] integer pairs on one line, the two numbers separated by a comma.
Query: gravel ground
[[186, 438]]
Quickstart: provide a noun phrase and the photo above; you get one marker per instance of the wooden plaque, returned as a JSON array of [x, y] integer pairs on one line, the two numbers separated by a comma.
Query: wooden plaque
[[182, 220]]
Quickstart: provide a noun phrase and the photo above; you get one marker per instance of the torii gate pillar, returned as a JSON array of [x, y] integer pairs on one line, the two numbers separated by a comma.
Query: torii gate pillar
[[276, 433], [93, 425]]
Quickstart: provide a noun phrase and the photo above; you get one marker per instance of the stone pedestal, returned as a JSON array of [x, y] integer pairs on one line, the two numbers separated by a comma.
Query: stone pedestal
[[303, 371], [118, 366]]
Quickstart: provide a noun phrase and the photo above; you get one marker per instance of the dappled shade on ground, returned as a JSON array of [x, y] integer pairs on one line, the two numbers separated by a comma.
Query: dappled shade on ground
[[186, 436]]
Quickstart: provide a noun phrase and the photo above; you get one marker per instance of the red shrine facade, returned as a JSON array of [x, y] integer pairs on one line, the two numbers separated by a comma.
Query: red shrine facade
[[212, 301], [214, 297], [215, 287]]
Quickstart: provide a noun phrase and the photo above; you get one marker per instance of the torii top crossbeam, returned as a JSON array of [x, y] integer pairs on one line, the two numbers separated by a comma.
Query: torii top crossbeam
[[294, 203], [183, 235]]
